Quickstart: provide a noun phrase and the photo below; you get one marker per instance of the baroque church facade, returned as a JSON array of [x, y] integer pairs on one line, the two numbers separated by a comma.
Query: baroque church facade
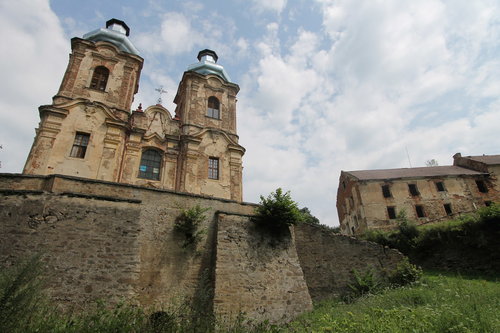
[[90, 130]]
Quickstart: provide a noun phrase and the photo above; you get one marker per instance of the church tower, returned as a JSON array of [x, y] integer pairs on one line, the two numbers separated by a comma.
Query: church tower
[[90, 130], [83, 132], [210, 154]]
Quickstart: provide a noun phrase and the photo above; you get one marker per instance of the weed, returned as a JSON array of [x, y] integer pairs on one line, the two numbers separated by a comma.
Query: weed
[[188, 224]]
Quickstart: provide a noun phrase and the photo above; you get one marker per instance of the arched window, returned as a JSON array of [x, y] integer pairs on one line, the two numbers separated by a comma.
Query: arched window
[[100, 78], [213, 107], [150, 165]]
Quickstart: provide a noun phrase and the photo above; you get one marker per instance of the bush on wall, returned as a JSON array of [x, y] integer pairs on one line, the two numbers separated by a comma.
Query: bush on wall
[[277, 212]]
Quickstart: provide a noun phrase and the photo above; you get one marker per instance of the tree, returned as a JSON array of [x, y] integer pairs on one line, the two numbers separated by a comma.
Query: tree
[[431, 163], [308, 217], [277, 212]]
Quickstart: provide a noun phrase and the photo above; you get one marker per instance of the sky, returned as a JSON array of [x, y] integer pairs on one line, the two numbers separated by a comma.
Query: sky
[[325, 85]]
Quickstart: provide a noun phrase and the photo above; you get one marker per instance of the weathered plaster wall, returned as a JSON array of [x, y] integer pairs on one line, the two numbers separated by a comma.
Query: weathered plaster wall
[[111, 240], [328, 259], [257, 274]]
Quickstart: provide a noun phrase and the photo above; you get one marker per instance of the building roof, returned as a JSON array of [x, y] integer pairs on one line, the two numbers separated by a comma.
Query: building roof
[[116, 32], [437, 171], [486, 159], [208, 65]]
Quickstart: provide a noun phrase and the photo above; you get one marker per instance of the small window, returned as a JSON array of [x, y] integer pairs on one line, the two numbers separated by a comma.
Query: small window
[[413, 190], [440, 186], [343, 184], [80, 145], [351, 201], [150, 165], [352, 228], [420, 211], [481, 186], [386, 191], [392, 213], [213, 107], [447, 208], [100, 78], [213, 168], [488, 203]]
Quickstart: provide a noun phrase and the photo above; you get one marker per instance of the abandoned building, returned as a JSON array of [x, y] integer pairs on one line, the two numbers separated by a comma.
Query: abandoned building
[[372, 199], [90, 130]]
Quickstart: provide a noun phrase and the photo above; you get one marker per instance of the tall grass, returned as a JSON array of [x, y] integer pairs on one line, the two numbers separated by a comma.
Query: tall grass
[[437, 304]]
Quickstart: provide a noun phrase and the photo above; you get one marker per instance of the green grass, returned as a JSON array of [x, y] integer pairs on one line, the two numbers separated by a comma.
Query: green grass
[[436, 304]]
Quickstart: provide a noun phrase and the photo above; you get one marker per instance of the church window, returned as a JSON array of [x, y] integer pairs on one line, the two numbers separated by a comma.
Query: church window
[[150, 165], [386, 191], [481, 186], [100, 78], [80, 145], [213, 168], [213, 107]]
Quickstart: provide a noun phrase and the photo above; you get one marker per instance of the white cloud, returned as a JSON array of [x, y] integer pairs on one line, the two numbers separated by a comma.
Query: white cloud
[[272, 5], [32, 65]]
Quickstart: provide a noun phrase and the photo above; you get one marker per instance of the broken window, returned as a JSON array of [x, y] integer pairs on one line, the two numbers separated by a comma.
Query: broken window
[[481, 186], [413, 190], [80, 145], [213, 107], [392, 212], [150, 165], [213, 168], [420, 211], [440, 186], [386, 191], [100, 78], [447, 208]]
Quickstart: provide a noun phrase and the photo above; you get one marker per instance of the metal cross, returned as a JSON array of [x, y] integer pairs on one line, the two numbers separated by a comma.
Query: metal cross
[[161, 91]]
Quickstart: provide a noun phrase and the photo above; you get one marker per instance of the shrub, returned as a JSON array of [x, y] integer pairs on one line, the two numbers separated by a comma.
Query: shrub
[[20, 293], [405, 273], [277, 212], [188, 224], [365, 284]]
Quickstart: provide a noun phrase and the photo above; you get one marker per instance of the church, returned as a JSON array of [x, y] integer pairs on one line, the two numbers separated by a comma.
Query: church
[[90, 130]]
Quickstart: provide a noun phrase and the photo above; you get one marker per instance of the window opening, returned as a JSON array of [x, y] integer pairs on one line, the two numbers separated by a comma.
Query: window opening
[[392, 213], [213, 168], [420, 211], [356, 222], [447, 208], [100, 78], [413, 190], [386, 191], [440, 186], [150, 165], [343, 184], [351, 201], [352, 228], [80, 145], [213, 107], [488, 203], [481, 186]]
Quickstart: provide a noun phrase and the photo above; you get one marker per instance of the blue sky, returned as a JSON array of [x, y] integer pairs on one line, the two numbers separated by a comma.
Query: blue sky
[[326, 85]]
